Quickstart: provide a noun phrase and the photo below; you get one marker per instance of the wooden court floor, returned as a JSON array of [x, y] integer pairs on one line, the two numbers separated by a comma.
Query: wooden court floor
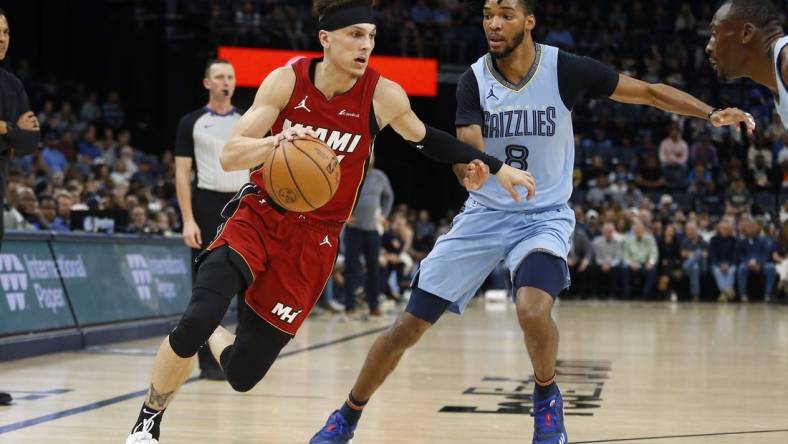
[[630, 373]]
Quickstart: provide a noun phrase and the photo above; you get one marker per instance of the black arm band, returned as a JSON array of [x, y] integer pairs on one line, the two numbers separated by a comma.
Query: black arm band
[[443, 147]]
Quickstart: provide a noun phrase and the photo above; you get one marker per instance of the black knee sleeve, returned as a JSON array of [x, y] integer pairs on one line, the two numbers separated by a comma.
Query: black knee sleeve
[[256, 348], [216, 283]]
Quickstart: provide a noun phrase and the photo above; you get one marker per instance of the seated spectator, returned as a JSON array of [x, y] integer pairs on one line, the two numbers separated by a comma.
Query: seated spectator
[[139, 221], [49, 219], [723, 251], [112, 111], [703, 152], [54, 159], [670, 271], [673, 156], [694, 252], [578, 260], [780, 258], [649, 175], [396, 242], [608, 256], [27, 205], [738, 200], [87, 146], [12, 218], [592, 224], [761, 177], [640, 261], [754, 254], [424, 236]]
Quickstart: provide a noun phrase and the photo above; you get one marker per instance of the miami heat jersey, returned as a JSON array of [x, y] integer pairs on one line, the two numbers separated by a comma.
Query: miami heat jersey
[[346, 123]]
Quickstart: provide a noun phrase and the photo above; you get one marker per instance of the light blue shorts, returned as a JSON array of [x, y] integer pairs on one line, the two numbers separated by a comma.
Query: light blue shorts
[[481, 237]]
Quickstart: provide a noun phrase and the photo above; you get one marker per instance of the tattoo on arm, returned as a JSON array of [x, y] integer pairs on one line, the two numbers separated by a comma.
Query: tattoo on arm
[[158, 400]]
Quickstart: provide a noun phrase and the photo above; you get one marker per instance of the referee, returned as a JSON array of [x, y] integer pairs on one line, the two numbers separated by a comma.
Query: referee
[[19, 130], [199, 142]]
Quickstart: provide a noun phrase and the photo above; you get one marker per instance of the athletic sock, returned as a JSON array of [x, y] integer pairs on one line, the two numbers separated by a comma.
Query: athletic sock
[[148, 421], [544, 389], [351, 409]]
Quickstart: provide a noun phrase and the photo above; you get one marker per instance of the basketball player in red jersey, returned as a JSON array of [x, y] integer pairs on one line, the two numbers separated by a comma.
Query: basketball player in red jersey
[[281, 259]]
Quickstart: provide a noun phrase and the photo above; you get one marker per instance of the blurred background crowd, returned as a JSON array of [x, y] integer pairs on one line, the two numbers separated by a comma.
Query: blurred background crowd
[[666, 208]]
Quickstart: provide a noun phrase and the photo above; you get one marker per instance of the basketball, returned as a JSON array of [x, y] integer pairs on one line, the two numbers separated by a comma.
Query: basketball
[[301, 175]]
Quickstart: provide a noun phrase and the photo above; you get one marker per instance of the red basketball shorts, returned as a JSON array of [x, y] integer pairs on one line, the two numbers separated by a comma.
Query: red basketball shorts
[[290, 257]]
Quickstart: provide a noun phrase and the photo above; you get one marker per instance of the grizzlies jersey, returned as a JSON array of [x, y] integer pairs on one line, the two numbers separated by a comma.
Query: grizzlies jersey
[[782, 87], [529, 126]]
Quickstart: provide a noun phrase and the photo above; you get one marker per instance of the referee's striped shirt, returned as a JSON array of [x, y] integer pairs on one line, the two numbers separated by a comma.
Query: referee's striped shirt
[[202, 135]]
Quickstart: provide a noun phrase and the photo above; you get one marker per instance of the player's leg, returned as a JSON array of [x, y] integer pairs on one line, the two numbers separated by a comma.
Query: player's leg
[[451, 273], [218, 280], [539, 279], [423, 310], [247, 357]]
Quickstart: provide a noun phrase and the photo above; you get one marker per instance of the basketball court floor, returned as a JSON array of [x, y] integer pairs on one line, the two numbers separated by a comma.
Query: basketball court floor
[[630, 373]]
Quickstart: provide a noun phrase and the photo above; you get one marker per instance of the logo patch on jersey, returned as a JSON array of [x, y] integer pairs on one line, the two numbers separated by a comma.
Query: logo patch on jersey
[[302, 105], [519, 123], [336, 140], [345, 113], [491, 94], [326, 242]]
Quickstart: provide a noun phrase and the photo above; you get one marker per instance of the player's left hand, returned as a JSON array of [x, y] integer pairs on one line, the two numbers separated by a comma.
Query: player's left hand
[[476, 173], [293, 133], [509, 177], [733, 117]]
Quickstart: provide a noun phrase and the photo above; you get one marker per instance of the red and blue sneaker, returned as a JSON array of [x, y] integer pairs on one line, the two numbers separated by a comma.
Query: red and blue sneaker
[[336, 431], [549, 421]]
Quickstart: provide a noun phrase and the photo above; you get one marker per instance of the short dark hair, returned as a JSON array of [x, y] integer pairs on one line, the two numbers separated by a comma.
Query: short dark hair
[[214, 62], [321, 7], [528, 5], [2, 12], [761, 13]]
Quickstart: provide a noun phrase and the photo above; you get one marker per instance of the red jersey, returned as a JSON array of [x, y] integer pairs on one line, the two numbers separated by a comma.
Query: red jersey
[[346, 123]]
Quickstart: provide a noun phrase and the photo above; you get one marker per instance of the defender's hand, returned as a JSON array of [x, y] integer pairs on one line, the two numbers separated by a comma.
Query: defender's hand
[[510, 177], [476, 173], [733, 117]]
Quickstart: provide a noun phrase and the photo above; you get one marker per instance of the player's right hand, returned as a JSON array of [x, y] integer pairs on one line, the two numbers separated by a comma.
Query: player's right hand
[[510, 177], [191, 234], [293, 133]]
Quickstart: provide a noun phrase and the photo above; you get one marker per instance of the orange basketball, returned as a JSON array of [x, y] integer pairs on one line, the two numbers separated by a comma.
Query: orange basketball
[[301, 175]]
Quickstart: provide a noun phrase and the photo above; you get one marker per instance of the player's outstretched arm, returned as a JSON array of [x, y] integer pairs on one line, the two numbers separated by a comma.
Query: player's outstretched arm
[[672, 100], [247, 147], [393, 108]]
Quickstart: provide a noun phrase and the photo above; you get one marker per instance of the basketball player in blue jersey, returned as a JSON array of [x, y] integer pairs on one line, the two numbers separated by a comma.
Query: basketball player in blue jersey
[[514, 104], [748, 40]]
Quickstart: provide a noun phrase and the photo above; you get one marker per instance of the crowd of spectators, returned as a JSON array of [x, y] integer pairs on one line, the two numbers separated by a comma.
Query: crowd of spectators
[[87, 165]]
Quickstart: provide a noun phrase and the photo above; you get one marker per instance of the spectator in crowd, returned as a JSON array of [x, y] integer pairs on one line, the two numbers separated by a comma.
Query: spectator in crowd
[[780, 258], [48, 219], [640, 261], [424, 236], [579, 259], [694, 252], [649, 175], [673, 156], [396, 242], [703, 152], [723, 251], [670, 271], [738, 200], [112, 111], [608, 256], [139, 221], [755, 259], [90, 111]]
